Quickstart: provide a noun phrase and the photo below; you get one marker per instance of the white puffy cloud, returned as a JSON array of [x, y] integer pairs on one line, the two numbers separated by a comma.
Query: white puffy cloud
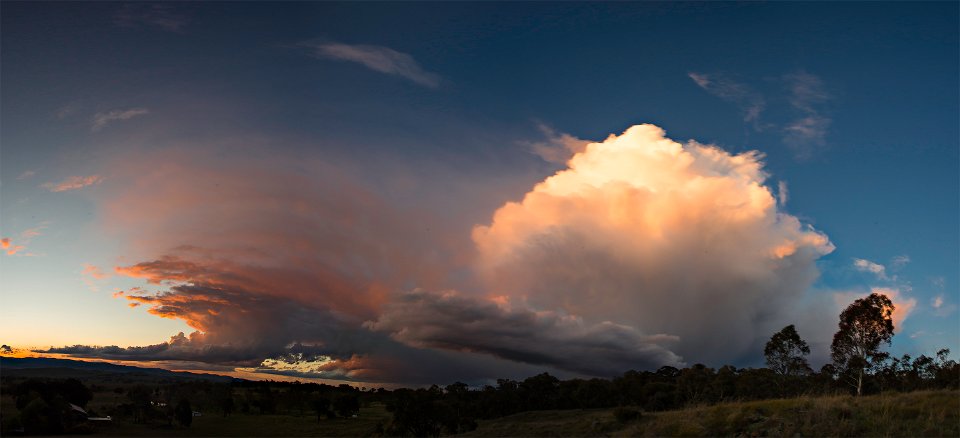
[[659, 236], [864, 265]]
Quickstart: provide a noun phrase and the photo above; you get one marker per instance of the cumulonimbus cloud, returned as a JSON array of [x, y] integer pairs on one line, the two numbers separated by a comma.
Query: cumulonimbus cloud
[[641, 252], [648, 233], [378, 58]]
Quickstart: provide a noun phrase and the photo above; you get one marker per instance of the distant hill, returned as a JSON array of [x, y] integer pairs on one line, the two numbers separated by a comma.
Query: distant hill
[[64, 368]]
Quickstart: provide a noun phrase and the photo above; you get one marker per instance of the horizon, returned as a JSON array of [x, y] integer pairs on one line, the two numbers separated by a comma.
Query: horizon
[[406, 194]]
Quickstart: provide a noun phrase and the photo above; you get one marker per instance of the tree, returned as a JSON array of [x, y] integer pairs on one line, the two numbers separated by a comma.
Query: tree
[[346, 405], [785, 353], [864, 325], [321, 405], [184, 413]]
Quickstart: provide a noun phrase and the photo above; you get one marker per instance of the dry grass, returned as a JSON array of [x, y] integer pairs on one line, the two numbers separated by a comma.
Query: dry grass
[[926, 413]]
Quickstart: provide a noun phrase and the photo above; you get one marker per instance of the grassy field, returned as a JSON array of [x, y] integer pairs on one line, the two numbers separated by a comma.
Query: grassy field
[[260, 425], [927, 413]]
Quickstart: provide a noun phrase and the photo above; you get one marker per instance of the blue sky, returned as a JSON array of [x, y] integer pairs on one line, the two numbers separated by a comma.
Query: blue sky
[[432, 113]]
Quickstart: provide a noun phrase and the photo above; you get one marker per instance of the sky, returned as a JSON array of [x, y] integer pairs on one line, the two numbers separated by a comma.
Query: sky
[[404, 193]]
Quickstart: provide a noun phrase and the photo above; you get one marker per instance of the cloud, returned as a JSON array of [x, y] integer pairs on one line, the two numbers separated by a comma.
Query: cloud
[[937, 302], [662, 237], [903, 306], [94, 272], [557, 147], [750, 102], [102, 119], [642, 251], [453, 321], [26, 236], [73, 183], [378, 58], [809, 129], [877, 269], [783, 194], [900, 261], [157, 15], [26, 174], [261, 253], [91, 275], [941, 307], [10, 248]]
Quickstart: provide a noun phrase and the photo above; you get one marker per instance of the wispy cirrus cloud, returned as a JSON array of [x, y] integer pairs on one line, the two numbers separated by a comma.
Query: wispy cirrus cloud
[[750, 101], [102, 119], [378, 58], [92, 274], [807, 96], [26, 174], [72, 183], [783, 193], [557, 147], [899, 261], [156, 15]]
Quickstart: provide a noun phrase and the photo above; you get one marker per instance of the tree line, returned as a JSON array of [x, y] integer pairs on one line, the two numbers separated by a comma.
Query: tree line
[[859, 366]]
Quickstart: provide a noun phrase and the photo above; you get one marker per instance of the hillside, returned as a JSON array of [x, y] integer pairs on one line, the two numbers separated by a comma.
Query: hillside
[[923, 413], [43, 367]]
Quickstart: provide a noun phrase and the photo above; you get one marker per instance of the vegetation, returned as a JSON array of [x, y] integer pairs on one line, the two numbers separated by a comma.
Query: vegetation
[[786, 398], [864, 326], [922, 413]]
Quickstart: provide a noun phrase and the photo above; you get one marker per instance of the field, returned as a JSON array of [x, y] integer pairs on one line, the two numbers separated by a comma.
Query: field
[[924, 413], [261, 425], [289, 412]]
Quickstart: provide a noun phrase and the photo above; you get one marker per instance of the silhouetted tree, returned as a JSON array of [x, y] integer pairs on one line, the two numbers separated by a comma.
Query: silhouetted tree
[[184, 413], [346, 405], [864, 325], [321, 405], [786, 353]]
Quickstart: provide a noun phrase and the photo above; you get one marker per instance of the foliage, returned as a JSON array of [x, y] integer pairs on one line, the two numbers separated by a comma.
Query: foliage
[[786, 353], [864, 326], [184, 413]]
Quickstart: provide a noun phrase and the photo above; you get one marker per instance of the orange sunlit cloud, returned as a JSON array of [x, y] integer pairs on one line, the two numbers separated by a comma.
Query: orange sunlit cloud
[[94, 272], [902, 306], [72, 183], [640, 229], [10, 247]]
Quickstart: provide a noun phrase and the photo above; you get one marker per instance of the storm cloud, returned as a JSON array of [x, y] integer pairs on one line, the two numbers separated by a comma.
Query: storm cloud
[[642, 252], [663, 237]]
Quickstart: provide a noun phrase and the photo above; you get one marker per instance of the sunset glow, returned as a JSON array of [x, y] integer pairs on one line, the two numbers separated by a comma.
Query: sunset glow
[[408, 194]]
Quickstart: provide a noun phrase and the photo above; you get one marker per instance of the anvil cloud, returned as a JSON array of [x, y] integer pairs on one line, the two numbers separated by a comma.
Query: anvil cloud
[[642, 252]]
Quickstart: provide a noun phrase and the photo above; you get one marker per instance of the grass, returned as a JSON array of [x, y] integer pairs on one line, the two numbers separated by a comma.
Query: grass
[[926, 413], [260, 425]]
